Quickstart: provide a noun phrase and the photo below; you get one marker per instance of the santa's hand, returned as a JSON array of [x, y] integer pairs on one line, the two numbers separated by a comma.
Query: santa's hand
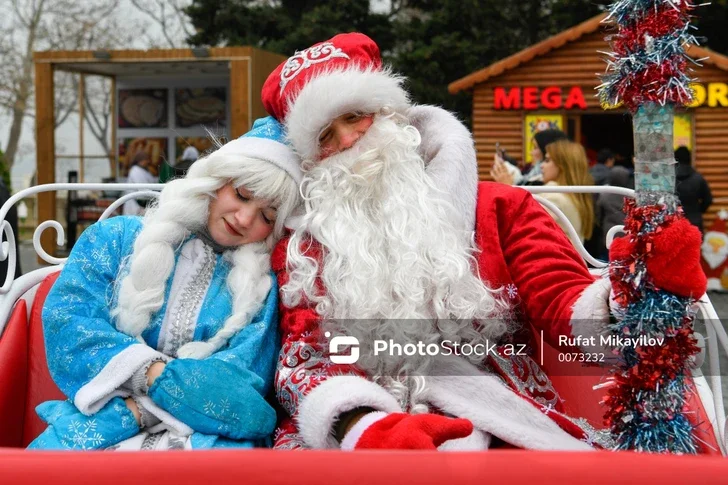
[[674, 259], [405, 431]]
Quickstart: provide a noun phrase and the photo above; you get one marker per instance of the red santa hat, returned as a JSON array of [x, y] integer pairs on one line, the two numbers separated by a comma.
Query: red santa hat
[[341, 75]]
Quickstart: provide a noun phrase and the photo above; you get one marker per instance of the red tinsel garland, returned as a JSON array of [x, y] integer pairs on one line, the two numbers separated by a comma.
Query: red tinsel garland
[[659, 23]]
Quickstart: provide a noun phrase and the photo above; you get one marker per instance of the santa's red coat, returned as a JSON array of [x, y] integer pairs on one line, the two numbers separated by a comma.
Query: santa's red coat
[[522, 251]]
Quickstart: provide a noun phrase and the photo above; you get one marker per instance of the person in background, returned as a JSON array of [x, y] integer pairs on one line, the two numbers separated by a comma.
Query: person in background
[[139, 174], [506, 168], [605, 162], [566, 164], [609, 207], [189, 156], [692, 189], [541, 140]]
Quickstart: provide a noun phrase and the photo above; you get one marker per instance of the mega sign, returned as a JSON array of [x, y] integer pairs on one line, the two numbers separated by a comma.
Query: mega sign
[[532, 98]]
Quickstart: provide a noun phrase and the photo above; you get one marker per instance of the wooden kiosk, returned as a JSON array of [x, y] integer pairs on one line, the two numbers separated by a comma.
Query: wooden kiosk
[[553, 83], [236, 72]]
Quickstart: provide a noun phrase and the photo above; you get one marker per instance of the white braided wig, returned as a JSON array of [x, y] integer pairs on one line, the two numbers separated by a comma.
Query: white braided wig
[[182, 209]]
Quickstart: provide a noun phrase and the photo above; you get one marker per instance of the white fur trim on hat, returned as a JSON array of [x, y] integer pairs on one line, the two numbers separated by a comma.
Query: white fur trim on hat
[[271, 151], [333, 93]]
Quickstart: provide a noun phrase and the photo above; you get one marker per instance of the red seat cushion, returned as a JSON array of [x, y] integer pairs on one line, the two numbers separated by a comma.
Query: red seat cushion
[[13, 376], [575, 384], [41, 387]]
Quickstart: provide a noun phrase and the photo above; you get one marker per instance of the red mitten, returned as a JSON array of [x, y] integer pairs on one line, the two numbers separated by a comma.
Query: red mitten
[[413, 432], [674, 260]]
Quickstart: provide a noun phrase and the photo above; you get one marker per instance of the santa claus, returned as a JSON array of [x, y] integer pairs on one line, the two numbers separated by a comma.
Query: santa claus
[[398, 243], [715, 253]]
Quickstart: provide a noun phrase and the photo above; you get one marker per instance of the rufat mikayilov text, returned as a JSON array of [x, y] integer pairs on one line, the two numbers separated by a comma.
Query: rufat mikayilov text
[[610, 341], [446, 347]]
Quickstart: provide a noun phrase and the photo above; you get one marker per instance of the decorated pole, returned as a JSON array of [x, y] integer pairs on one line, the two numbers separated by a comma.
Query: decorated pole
[[647, 73]]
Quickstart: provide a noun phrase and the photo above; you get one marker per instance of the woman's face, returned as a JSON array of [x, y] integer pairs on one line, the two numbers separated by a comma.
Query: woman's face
[[536, 153], [237, 218], [549, 169]]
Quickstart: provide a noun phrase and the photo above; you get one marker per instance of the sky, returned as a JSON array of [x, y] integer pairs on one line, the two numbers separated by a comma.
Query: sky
[[67, 135]]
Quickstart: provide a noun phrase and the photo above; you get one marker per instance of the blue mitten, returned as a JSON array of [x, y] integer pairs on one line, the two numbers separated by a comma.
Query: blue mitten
[[216, 401], [69, 429]]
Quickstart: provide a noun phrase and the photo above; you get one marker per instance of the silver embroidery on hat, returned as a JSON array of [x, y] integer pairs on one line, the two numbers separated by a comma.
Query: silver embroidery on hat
[[307, 58]]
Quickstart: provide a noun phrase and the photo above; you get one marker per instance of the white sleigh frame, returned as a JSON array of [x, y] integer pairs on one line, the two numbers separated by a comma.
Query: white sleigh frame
[[24, 287]]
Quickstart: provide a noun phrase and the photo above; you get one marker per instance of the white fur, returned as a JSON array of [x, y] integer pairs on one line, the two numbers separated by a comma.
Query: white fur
[[105, 386], [395, 257], [590, 312], [460, 389], [321, 407], [264, 149], [449, 154], [183, 209], [333, 93]]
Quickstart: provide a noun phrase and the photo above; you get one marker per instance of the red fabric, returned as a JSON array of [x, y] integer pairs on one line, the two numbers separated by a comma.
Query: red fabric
[[674, 261], [413, 432], [303, 362], [41, 387], [284, 84], [575, 384], [222, 467], [522, 246], [534, 256], [13, 375]]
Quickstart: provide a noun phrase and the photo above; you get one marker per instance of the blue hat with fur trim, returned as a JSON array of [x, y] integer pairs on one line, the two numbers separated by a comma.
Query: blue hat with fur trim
[[266, 141]]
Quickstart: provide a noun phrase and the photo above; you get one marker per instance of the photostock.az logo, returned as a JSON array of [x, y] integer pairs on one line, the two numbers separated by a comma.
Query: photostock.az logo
[[343, 341]]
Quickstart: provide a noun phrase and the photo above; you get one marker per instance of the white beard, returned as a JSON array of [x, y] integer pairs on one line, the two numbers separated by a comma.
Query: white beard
[[395, 266]]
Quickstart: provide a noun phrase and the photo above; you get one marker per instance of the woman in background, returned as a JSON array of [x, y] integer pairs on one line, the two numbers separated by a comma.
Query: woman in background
[[566, 164], [139, 174]]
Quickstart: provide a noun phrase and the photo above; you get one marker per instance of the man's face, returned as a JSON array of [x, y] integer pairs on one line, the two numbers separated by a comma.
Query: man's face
[[343, 132]]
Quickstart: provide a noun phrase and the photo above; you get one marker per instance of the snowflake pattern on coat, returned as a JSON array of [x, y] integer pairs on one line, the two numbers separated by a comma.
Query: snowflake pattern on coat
[[86, 352]]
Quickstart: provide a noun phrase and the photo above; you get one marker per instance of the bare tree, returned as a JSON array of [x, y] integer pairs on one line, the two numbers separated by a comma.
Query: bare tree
[[97, 97], [169, 15], [32, 25]]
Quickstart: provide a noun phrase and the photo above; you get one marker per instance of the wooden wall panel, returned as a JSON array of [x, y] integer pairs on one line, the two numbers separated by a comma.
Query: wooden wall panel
[[577, 64], [264, 63], [240, 114], [45, 150]]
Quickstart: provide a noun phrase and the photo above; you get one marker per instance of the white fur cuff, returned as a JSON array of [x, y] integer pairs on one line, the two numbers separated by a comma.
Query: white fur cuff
[[590, 313], [352, 437], [320, 409], [107, 383]]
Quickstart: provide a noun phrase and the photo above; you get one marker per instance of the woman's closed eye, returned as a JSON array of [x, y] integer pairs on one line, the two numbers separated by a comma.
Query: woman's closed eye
[[243, 195]]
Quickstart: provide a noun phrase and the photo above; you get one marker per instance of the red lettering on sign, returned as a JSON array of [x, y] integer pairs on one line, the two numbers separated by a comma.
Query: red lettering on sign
[[533, 98], [551, 98], [575, 97], [530, 98], [511, 100]]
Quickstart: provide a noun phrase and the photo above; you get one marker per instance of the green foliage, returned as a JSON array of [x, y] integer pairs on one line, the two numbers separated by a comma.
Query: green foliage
[[283, 26], [4, 171], [431, 42]]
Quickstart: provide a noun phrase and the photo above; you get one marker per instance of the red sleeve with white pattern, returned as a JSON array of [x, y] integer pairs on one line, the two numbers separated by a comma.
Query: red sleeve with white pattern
[[313, 390], [521, 243]]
